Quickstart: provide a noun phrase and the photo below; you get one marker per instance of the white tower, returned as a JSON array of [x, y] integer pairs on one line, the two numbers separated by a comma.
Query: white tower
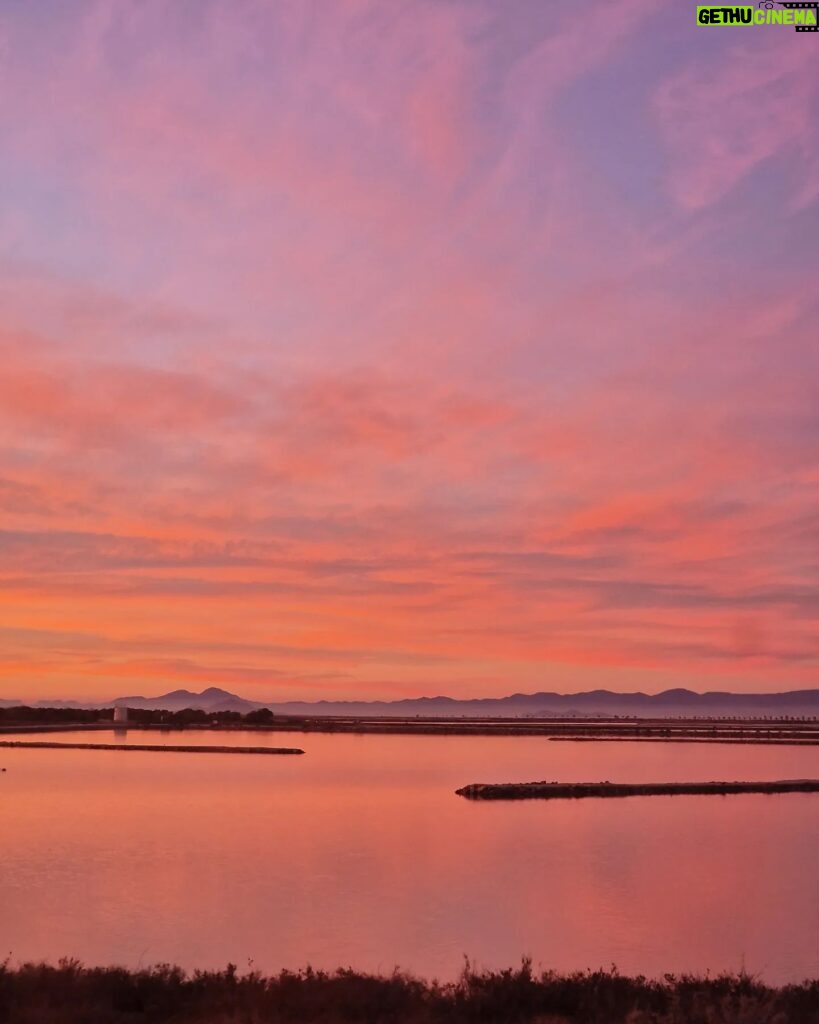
[[120, 716]]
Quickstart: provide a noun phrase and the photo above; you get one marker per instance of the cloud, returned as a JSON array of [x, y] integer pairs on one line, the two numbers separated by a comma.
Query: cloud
[[335, 352], [722, 119]]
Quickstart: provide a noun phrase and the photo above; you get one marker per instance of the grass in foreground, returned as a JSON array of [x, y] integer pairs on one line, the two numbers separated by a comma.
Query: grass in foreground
[[73, 994]]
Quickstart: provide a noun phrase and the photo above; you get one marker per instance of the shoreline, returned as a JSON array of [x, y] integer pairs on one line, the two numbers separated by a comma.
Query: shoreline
[[744, 731]]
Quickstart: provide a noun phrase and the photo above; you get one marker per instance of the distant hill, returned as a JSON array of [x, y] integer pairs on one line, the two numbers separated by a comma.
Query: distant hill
[[212, 699], [591, 704]]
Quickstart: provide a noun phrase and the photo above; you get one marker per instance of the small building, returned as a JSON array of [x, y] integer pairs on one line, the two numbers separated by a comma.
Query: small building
[[120, 716]]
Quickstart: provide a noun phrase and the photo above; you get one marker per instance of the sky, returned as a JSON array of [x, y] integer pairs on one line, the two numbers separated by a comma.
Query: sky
[[374, 349]]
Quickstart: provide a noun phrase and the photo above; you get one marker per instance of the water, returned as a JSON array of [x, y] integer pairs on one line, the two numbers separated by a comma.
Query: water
[[359, 854]]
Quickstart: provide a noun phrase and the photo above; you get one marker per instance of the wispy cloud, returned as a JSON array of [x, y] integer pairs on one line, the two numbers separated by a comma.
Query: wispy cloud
[[337, 357], [722, 118]]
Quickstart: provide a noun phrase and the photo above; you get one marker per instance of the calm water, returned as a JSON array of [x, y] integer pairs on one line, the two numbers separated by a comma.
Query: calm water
[[360, 854]]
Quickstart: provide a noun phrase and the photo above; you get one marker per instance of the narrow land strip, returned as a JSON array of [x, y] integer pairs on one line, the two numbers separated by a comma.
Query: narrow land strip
[[766, 741], [753, 731], [158, 747], [576, 790]]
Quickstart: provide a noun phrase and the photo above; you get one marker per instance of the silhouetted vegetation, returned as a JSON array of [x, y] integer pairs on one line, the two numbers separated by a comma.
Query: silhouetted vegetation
[[23, 715], [72, 994], [264, 716], [190, 717]]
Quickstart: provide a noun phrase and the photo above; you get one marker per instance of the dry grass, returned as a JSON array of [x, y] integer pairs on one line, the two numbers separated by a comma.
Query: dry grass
[[73, 994]]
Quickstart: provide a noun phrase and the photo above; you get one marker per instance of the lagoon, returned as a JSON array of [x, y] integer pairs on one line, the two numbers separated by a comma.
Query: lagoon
[[360, 854]]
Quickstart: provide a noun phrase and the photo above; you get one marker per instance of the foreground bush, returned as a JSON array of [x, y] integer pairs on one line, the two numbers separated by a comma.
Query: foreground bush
[[73, 994]]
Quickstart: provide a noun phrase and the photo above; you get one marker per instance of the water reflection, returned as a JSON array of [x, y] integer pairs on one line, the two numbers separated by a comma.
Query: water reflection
[[360, 854]]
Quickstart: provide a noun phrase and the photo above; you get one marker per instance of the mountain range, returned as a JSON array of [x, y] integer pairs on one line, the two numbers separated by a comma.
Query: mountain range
[[591, 704]]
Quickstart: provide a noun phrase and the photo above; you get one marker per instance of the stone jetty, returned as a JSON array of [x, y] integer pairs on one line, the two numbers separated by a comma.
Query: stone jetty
[[576, 790], [193, 748]]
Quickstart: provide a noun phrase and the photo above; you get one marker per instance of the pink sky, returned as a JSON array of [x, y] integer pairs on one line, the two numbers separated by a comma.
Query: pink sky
[[374, 349]]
